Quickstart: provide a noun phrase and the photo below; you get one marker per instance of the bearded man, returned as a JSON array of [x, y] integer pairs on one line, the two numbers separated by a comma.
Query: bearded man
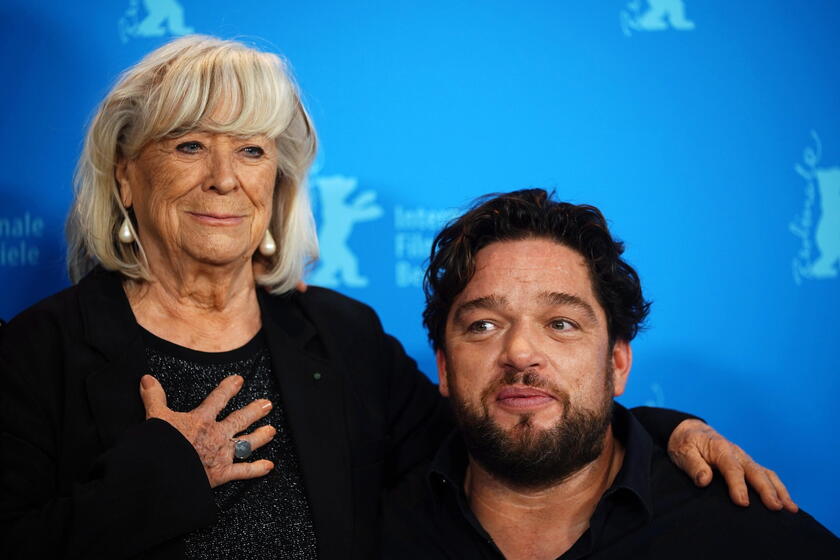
[[531, 311]]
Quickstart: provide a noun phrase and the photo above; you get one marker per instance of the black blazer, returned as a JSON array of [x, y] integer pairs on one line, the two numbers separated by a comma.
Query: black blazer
[[84, 475]]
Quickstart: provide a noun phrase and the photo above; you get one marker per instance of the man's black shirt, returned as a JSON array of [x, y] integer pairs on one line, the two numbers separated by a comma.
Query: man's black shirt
[[652, 510]]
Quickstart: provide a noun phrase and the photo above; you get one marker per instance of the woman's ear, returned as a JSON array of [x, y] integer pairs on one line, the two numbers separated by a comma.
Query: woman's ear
[[121, 174]]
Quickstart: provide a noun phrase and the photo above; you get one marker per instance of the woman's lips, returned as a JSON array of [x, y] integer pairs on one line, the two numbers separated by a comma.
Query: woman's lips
[[520, 398], [217, 219]]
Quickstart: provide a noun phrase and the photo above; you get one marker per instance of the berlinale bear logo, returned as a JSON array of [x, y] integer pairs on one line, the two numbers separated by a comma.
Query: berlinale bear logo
[[339, 265], [659, 16], [818, 225], [161, 16]]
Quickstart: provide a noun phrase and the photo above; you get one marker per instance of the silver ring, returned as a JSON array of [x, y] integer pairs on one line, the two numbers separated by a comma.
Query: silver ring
[[241, 448]]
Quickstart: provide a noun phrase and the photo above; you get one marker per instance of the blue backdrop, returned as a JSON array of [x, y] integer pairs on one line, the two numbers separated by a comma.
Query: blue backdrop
[[709, 135]]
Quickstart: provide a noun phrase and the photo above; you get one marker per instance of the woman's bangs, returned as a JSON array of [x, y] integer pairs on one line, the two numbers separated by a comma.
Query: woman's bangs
[[241, 94]]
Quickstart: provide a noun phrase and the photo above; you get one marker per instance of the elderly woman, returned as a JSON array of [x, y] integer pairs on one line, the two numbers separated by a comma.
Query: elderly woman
[[132, 400]]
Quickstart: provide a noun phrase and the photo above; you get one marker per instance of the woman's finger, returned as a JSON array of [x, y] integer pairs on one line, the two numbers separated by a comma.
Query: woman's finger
[[732, 471], [703, 447], [760, 481], [244, 471], [260, 436], [219, 397], [153, 396], [782, 491], [691, 461], [239, 420]]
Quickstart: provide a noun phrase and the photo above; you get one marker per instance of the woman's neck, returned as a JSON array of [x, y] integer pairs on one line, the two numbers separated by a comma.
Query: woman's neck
[[211, 309]]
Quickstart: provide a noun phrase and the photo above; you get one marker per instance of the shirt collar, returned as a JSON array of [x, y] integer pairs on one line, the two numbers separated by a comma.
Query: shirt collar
[[450, 462], [634, 475]]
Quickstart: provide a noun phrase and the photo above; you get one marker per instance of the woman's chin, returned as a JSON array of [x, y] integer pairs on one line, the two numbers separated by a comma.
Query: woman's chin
[[219, 257]]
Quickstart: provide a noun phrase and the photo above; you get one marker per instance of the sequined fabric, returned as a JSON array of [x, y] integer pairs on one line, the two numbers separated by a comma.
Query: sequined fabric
[[263, 518]]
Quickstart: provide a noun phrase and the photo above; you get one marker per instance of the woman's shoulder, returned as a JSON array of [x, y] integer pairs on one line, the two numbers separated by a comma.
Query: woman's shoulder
[[58, 313], [42, 321], [55, 306], [324, 298], [323, 302], [352, 324]]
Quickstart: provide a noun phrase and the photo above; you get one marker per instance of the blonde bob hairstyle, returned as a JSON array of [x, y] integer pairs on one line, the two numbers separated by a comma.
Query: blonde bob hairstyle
[[173, 90]]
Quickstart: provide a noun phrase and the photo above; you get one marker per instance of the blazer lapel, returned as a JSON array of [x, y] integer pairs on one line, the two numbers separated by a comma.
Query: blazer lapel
[[311, 389], [312, 393], [109, 326]]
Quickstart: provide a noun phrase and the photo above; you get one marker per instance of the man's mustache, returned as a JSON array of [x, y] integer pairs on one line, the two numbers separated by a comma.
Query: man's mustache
[[528, 378]]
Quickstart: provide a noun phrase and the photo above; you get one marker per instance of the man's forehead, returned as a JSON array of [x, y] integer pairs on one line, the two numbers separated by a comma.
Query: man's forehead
[[529, 259], [530, 268], [500, 302]]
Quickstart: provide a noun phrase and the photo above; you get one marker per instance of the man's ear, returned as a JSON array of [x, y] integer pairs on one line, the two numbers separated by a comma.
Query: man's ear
[[121, 174], [622, 360], [443, 378]]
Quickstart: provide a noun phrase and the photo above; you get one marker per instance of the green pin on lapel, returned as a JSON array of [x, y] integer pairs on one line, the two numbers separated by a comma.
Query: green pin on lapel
[[316, 376]]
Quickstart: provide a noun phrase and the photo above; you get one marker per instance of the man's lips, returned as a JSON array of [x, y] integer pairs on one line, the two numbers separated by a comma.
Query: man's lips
[[520, 398], [217, 219]]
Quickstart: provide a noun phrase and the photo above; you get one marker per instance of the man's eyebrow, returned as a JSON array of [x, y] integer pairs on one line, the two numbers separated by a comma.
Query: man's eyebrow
[[486, 302], [562, 298]]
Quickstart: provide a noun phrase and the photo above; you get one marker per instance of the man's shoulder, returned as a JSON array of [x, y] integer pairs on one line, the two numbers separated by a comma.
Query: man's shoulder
[[706, 521]]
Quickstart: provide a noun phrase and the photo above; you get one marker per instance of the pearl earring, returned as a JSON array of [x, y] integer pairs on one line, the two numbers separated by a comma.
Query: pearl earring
[[268, 247], [126, 235]]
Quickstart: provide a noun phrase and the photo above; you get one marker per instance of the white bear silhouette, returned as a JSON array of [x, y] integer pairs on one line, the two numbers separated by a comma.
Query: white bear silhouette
[[338, 216], [657, 17], [159, 13], [827, 233]]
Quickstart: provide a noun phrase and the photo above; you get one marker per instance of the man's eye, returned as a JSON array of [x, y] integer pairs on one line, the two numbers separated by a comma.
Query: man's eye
[[189, 147], [562, 325], [253, 151], [481, 327]]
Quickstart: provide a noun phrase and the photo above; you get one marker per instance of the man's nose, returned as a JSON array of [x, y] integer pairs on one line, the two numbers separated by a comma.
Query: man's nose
[[523, 349], [222, 177]]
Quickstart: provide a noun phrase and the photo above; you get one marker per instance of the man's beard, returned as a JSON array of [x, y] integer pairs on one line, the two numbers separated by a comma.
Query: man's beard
[[528, 457]]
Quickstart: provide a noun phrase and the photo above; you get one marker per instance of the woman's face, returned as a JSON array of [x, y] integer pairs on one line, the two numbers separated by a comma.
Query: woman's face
[[201, 198]]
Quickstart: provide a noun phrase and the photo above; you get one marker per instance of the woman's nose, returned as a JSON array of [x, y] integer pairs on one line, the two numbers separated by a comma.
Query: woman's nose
[[222, 176]]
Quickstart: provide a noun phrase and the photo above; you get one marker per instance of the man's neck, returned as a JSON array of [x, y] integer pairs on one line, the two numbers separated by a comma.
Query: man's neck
[[545, 523]]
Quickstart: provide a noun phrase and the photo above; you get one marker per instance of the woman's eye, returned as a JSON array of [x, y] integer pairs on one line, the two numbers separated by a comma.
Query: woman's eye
[[253, 151], [189, 147], [480, 327]]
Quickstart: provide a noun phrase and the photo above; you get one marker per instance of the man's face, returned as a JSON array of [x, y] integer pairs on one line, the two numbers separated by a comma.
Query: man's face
[[528, 364]]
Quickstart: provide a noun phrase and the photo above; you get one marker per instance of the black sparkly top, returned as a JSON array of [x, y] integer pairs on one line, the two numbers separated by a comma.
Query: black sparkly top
[[261, 518]]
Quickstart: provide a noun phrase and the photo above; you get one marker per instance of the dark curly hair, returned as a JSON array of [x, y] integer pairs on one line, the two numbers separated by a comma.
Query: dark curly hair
[[533, 214]]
